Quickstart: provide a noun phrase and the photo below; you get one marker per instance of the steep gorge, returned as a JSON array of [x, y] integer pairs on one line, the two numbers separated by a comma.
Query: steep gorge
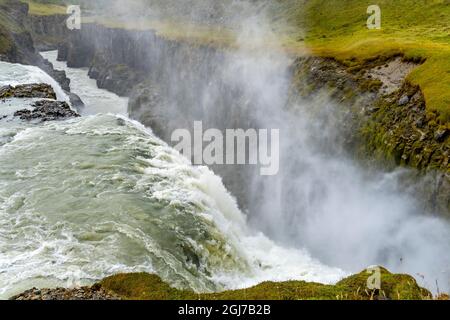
[[330, 114]]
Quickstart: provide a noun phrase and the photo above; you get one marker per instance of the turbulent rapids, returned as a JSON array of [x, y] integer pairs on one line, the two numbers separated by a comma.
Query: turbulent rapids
[[98, 195]]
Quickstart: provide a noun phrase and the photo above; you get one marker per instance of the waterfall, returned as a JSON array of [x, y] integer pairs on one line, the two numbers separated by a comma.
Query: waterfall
[[86, 198]]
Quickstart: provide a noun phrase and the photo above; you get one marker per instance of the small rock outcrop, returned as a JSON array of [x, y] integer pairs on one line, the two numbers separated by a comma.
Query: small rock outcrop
[[95, 292], [34, 90], [75, 101], [46, 110]]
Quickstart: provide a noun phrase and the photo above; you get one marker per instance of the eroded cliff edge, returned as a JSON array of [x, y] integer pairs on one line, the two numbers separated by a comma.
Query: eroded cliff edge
[[143, 286], [386, 125]]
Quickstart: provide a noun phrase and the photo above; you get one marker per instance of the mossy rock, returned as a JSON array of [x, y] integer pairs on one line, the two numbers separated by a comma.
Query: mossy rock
[[144, 286], [33, 90], [393, 286]]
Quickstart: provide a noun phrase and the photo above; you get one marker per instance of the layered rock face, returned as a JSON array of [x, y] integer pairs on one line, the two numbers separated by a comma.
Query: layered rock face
[[47, 31], [116, 58]]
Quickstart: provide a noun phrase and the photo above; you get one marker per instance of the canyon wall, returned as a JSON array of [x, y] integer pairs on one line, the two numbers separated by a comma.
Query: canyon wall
[[18, 38]]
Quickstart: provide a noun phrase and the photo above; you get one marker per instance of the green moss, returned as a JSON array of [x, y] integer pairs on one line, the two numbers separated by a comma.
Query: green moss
[[371, 85], [393, 286], [143, 286], [405, 135], [418, 30]]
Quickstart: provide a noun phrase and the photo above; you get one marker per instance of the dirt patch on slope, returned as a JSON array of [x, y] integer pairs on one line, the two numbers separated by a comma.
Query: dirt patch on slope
[[392, 74]]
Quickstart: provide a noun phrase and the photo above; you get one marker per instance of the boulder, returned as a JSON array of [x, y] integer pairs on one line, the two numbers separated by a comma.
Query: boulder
[[46, 110], [75, 101], [403, 100], [35, 90]]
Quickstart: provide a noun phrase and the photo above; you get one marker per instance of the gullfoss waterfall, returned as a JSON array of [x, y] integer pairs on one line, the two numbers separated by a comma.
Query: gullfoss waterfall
[[94, 196]]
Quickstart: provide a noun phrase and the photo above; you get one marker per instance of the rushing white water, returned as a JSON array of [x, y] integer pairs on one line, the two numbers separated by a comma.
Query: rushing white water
[[89, 197], [96, 100]]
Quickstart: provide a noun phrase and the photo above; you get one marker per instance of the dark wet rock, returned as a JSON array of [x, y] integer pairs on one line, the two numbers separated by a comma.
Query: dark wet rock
[[34, 90], [148, 106], [63, 50], [47, 30], [80, 50], [46, 110], [59, 75], [20, 48], [75, 101], [117, 78], [95, 292]]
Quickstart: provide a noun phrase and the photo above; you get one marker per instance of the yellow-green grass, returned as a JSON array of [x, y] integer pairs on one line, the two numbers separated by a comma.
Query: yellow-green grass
[[417, 29], [45, 9], [171, 30], [143, 286]]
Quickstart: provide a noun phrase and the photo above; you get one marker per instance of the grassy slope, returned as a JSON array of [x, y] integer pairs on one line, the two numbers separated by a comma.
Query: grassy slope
[[45, 7], [142, 286], [418, 29]]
